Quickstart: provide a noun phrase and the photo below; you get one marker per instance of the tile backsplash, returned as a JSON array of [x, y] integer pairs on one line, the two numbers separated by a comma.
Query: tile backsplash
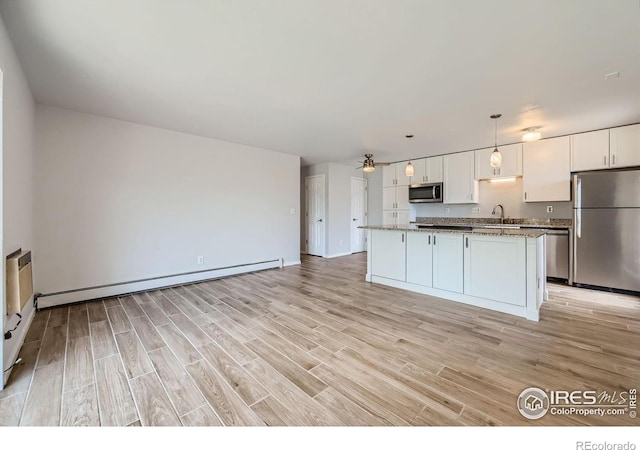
[[509, 195]]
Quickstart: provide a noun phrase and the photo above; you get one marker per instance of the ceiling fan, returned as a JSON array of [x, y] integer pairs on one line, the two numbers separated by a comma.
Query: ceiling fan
[[368, 165]]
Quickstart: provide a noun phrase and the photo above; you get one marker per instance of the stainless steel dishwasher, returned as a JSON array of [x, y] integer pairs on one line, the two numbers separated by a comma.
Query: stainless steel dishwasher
[[558, 254]]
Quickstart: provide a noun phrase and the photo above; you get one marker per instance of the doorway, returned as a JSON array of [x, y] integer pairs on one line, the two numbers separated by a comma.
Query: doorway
[[358, 214], [315, 214]]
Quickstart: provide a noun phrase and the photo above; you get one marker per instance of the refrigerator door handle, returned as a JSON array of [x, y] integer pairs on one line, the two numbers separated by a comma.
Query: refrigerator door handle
[[578, 223]]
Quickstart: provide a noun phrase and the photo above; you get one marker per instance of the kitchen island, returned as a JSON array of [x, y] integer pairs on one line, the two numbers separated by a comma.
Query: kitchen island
[[496, 268]]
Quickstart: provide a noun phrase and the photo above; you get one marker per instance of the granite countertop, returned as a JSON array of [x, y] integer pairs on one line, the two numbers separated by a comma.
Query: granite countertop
[[482, 221], [519, 232]]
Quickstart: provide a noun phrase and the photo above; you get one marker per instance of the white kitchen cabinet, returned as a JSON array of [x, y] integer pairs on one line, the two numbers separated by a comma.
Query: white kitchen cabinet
[[389, 198], [388, 254], [397, 218], [427, 170], [395, 205], [495, 268], [448, 261], [590, 151], [625, 146], [420, 258], [460, 185], [546, 170], [395, 197], [511, 162], [395, 175], [503, 272]]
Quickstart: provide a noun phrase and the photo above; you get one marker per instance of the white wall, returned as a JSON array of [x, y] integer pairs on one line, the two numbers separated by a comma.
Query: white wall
[[17, 180], [118, 201], [507, 194], [374, 197], [339, 238]]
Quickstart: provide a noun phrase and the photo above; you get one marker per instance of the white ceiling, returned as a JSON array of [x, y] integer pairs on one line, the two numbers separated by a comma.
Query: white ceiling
[[331, 79]]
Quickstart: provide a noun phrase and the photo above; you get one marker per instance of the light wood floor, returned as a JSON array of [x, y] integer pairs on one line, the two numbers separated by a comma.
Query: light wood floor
[[315, 345]]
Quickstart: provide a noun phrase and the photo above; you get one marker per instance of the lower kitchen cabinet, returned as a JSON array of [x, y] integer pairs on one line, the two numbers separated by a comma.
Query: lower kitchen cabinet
[[448, 262], [420, 258], [501, 272], [388, 254], [495, 268]]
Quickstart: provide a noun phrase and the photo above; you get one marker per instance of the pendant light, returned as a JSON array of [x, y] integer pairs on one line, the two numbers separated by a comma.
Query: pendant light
[[495, 160], [408, 170]]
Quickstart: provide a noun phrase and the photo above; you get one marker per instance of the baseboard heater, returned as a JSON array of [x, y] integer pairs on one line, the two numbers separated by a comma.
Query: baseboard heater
[[51, 299]]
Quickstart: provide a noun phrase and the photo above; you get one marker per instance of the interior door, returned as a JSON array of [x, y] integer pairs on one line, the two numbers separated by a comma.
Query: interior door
[[358, 214], [315, 201]]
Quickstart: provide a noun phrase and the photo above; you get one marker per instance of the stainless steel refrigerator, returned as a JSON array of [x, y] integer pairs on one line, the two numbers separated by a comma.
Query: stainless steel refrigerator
[[607, 229]]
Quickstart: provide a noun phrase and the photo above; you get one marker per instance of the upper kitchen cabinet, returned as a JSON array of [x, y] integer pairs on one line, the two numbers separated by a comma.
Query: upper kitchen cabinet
[[459, 184], [625, 146], [546, 170], [394, 175], [590, 151], [511, 162], [427, 170]]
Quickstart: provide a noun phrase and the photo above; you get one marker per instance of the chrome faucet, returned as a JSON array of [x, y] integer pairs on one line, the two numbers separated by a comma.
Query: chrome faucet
[[501, 212]]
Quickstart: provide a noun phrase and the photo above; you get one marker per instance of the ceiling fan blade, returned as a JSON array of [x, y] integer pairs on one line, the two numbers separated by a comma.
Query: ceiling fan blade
[[381, 164]]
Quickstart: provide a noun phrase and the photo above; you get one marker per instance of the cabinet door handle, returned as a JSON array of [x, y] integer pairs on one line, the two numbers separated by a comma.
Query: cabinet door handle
[[525, 195], [499, 170], [604, 160], [402, 237], [466, 242], [429, 239], [613, 159], [434, 239], [426, 179]]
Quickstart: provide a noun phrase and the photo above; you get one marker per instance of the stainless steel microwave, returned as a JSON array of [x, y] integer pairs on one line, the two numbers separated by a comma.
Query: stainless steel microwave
[[425, 193]]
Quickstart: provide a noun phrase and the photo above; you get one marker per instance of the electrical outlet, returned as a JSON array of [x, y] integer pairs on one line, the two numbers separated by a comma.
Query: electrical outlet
[[200, 259], [293, 211], [549, 209], [475, 210], [446, 210], [341, 242]]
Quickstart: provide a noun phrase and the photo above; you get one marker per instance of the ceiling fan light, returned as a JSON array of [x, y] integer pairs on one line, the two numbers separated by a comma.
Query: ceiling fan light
[[368, 165], [531, 135], [495, 160], [408, 171]]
